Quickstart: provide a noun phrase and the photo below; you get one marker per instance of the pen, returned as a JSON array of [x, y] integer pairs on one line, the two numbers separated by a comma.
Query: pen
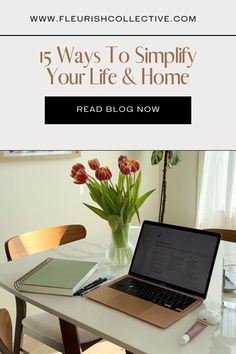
[[87, 291], [97, 285], [96, 282]]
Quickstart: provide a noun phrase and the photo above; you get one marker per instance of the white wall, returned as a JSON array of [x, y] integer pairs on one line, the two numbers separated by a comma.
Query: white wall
[[182, 191], [40, 193]]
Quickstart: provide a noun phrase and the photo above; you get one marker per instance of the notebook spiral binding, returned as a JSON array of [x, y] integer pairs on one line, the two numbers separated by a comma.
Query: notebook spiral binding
[[18, 282]]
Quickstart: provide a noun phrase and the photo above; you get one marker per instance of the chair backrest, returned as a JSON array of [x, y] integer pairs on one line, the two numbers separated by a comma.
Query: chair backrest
[[5, 332], [42, 239], [226, 235]]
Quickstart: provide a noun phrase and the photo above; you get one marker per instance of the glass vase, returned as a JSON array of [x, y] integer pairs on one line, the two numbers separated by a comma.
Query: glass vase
[[120, 251]]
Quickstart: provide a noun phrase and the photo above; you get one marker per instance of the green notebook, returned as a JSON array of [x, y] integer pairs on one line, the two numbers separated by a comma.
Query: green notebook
[[56, 276]]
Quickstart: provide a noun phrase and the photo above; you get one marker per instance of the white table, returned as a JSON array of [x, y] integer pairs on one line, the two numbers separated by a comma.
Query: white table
[[124, 330]]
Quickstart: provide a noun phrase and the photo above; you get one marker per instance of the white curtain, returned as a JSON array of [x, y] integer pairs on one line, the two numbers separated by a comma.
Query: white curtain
[[217, 198]]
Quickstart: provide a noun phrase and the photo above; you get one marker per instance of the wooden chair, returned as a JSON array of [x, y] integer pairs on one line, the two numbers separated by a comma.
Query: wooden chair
[[5, 332], [226, 234], [43, 326]]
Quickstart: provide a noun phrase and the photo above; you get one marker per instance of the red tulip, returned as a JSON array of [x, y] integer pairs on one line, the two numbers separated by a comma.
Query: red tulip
[[94, 164], [80, 177], [125, 167], [103, 173], [135, 165], [108, 172], [76, 168], [122, 158]]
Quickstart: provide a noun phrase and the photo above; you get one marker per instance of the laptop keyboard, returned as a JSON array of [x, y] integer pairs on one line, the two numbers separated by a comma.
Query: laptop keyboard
[[153, 293]]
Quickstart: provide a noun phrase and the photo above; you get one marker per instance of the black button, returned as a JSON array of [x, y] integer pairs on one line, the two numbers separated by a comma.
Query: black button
[[118, 110]]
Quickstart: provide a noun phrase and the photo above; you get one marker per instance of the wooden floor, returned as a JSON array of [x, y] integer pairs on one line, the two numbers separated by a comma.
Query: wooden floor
[[102, 347]]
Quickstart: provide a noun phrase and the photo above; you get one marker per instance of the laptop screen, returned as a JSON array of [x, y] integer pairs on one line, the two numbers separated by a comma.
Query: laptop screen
[[179, 257]]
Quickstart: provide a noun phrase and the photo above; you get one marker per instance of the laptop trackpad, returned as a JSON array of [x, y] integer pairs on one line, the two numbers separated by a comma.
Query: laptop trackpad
[[127, 304]]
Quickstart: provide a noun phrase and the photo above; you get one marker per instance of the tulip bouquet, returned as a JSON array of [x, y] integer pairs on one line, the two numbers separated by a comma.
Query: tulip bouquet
[[117, 203]]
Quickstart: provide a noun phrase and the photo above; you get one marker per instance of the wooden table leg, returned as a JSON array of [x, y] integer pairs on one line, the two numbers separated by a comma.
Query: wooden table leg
[[70, 337]]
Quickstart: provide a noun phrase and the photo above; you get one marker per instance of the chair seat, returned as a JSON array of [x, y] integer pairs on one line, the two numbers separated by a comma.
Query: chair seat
[[45, 328]]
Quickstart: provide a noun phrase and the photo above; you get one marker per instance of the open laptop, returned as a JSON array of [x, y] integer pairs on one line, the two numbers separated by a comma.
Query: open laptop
[[169, 275]]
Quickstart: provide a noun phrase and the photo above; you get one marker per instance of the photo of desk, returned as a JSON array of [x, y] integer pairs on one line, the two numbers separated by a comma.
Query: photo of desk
[[128, 332]]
